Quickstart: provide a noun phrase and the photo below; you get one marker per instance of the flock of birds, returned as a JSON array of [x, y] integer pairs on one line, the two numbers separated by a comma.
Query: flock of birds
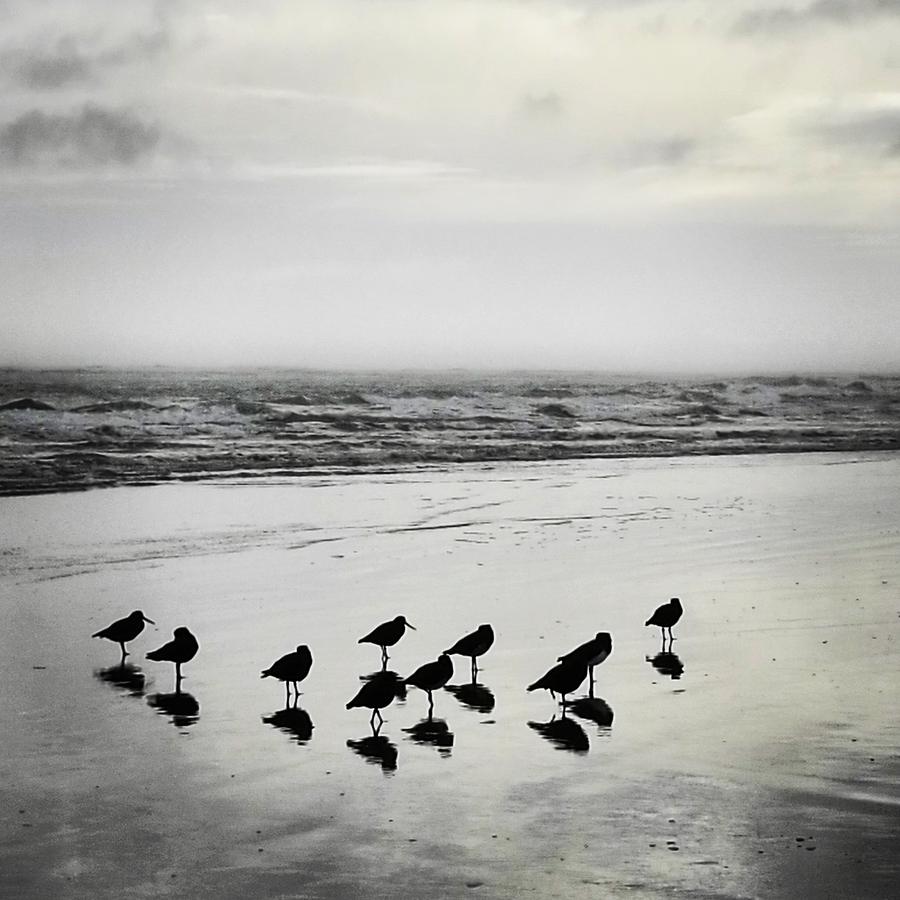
[[380, 690]]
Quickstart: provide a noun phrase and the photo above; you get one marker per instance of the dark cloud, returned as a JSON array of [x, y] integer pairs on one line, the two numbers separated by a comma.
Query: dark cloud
[[93, 136], [878, 130], [780, 19], [667, 152], [70, 61]]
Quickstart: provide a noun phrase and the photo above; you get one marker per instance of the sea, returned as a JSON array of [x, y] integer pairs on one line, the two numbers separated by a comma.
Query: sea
[[74, 429]]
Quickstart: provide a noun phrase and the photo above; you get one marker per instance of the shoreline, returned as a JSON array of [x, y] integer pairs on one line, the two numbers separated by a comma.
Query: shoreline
[[280, 474]]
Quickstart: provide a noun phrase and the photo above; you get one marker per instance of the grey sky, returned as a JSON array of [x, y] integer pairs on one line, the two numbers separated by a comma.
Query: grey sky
[[675, 184]]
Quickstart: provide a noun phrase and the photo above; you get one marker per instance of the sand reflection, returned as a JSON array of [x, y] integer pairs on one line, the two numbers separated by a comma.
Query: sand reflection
[[667, 663], [126, 677], [376, 749], [474, 696], [432, 731], [564, 733], [181, 707], [292, 720]]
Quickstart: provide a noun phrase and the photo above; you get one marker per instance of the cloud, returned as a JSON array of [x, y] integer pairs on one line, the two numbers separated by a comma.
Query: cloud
[[93, 137], [872, 123], [781, 19], [71, 61]]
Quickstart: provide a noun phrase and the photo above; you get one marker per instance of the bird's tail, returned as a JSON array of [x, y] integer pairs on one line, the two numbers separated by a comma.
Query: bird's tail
[[98, 633], [265, 673], [648, 622], [154, 654], [536, 685], [350, 705]]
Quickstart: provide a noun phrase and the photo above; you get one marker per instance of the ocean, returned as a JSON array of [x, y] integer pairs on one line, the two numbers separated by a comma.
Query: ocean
[[75, 429]]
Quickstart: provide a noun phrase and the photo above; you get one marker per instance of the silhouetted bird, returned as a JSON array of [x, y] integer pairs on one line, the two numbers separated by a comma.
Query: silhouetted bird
[[376, 694], [562, 679], [386, 635], [473, 645], [592, 653], [181, 649], [123, 630], [666, 616], [291, 668], [432, 676]]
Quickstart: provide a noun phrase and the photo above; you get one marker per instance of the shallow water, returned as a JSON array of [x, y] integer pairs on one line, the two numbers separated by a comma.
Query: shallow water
[[81, 428], [769, 765]]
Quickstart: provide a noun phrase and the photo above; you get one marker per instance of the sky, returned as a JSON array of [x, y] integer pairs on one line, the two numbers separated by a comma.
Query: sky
[[619, 185]]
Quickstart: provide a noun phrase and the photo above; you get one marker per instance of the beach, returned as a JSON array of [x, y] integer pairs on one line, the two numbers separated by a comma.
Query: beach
[[763, 761]]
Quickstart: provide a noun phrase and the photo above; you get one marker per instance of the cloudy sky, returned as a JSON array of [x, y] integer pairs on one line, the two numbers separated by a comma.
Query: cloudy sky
[[688, 185]]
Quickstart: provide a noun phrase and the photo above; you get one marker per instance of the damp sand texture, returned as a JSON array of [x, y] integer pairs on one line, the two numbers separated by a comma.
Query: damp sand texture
[[763, 760]]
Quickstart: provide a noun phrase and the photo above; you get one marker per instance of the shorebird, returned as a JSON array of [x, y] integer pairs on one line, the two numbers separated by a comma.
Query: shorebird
[[123, 630], [291, 668], [181, 649], [562, 679], [592, 652], [666, 616], [386, 635], [473, 645], [376, 694], [432, 676]]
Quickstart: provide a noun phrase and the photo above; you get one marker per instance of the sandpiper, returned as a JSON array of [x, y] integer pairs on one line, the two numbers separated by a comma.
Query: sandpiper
[[562, 679], [473, 645], [123, 630], [291, 668], [376, 694], [666, 616], [386, 635], [181, 649], [432, 676], [592, 652]]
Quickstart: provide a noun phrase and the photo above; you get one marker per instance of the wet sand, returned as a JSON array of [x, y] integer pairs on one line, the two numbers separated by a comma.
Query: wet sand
[[762, 761]]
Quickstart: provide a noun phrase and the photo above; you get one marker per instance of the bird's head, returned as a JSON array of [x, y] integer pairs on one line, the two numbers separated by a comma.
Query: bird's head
[[137, 614], [402, 621]]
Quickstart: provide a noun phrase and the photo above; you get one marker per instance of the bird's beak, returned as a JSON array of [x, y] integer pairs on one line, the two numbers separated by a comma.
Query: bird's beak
[[149, 620], [411, 626]]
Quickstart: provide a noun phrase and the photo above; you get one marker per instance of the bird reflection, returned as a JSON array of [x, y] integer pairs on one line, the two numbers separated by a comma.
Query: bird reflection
[[564, 733], [180, 706], [667, 663], [292, 720], [594, 710], [387, 676], [126, 677], [434, 732], [376, 749], [475, 696]]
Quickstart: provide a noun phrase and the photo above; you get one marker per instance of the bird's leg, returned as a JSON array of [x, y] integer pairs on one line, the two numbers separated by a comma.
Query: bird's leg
[[178, 678], [591, 688], [430, 705], [563, 703], [124, 651], [287, 694]]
